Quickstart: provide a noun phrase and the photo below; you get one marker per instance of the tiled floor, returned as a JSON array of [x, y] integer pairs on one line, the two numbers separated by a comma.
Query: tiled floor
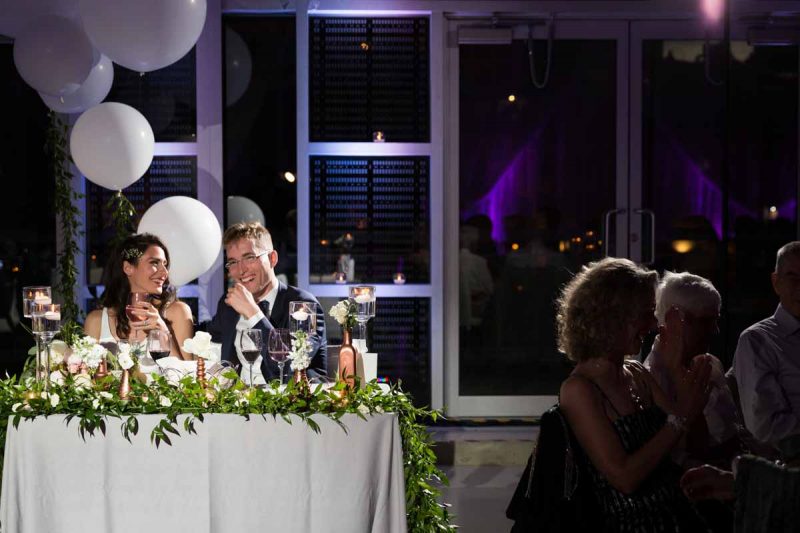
[[479, 496]]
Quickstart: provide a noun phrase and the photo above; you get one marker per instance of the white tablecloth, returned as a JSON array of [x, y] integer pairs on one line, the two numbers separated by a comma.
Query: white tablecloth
[[234, 475]]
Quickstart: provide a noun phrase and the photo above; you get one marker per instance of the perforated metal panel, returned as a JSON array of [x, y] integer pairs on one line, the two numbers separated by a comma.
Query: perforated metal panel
[[369, 75], [167, 176], [382, 204], [166, 97], [401, 336]]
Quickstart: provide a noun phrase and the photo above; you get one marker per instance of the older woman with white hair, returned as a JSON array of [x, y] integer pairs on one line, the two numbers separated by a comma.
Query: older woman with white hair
[[691, 305]]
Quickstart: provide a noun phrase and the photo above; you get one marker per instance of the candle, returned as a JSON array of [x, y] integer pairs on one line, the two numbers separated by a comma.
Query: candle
[[52, 315], [399, 278], [363, 298], [41, 298], [340, 278], [300, 316]]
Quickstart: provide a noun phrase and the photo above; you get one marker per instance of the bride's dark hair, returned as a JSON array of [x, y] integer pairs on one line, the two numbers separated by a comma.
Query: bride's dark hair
[[117, 286]]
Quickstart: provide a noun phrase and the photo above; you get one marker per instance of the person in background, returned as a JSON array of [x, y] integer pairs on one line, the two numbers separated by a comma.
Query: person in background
[[623, 421], [257, 300], [767, 359], [695, 303], [140, 264]]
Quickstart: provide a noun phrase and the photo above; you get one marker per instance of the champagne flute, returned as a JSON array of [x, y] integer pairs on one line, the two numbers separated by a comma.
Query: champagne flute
[[280, 339], [250, 344]]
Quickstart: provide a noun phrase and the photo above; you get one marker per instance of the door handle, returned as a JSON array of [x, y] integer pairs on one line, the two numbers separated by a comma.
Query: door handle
[[652, 215], [606, 225]]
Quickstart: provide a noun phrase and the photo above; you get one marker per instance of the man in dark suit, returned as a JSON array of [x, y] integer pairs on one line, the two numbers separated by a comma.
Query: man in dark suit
[[258, 300]]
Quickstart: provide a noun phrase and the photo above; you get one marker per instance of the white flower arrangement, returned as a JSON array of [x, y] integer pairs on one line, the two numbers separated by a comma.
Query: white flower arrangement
[[201, 346], [126, 357], [345, 313], [89, 352], [301, 349]]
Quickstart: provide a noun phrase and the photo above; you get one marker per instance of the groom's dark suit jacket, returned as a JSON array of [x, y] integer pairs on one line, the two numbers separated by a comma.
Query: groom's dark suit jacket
[[223, 330]]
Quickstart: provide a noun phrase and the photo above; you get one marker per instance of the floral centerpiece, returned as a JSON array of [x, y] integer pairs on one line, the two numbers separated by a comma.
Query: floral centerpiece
[[345, 313], [300, 356]]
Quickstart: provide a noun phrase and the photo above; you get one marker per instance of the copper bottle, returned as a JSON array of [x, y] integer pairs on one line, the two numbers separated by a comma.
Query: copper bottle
[[347, 360]]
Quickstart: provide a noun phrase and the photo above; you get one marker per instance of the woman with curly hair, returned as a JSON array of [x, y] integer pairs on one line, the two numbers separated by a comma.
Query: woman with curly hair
[[625, 424], [140, 264]]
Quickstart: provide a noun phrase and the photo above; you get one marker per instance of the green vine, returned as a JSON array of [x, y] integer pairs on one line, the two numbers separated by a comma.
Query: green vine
[[122, 216], [69, 217], [185, 405]]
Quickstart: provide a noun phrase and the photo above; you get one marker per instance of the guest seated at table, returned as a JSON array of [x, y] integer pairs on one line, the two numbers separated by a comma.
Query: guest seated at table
[[767, 359], [692, 301], [258, 300], [140, 264], [623, 421]]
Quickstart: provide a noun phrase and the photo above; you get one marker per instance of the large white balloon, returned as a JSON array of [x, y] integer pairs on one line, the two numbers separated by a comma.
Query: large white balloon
[[53, 55], [143, 35], [238, 67], [16, 15], [241, 209], [112, 145], [93, 91], [190, 232]]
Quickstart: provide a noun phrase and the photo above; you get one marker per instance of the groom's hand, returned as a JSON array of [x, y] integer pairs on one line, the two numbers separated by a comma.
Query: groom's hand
[[242, 301]]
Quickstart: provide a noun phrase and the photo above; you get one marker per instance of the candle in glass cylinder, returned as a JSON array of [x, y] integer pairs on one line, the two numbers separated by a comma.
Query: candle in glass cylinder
[[399, 278]]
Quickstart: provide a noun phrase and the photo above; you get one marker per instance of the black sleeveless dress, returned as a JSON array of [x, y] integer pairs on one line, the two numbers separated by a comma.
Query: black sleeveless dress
[[657, 505]]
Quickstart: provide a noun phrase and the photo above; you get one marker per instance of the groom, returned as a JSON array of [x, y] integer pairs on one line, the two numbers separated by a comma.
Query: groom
[[258, 300]]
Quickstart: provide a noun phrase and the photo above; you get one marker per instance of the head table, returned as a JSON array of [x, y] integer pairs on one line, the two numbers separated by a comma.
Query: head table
[[233, 475]]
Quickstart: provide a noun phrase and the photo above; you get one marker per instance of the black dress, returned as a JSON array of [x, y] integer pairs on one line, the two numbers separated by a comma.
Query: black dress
[[657, 505]]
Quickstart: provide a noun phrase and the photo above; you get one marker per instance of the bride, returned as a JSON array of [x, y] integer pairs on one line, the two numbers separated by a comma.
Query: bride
[[140, 264]]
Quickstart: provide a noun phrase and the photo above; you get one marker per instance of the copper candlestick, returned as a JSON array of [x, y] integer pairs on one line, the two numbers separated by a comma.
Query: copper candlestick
[[201, 372]]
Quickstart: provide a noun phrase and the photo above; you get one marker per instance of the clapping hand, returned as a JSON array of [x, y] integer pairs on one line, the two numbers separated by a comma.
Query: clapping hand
[[693, 387]]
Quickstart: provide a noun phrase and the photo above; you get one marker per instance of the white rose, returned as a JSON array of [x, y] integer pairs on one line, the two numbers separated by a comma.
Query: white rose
[[201, 342], [16, 407], [74, 359], [54, 399], [96, 404], [106, 395], [57, 377], [378, 409], [125, 361], [363, 409], [94, 355], [165, 402], [82, 381]]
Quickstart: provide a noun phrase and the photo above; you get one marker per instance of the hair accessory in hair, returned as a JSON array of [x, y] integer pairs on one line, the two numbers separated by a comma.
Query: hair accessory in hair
[[131, 254]]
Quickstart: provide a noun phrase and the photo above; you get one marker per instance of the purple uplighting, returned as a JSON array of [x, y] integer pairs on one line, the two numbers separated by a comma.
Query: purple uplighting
[[514, 191]]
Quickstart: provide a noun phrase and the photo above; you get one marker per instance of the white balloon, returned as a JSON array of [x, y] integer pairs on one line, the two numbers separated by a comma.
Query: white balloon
[[53, 55], [112, 145], [15, 15], [93, 91], [241, 209], [143, 35], [190, 232], [238, 67]]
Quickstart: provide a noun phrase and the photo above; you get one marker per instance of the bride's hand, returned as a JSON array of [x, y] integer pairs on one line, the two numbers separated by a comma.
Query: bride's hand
[[150, 318]]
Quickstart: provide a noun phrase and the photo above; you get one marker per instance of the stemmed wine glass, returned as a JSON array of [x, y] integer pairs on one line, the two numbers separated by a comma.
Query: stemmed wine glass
[[251, 343], [46, 321], [159, 345], [131, 309], [364, 297], [278, 344]]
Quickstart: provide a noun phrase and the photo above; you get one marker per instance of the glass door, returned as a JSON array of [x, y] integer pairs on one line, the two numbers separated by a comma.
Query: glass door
[[536, 186], [690, 217]]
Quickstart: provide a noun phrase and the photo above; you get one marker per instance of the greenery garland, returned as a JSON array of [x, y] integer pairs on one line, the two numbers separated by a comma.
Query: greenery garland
[[122, 215], [94, 408], [69, 217]]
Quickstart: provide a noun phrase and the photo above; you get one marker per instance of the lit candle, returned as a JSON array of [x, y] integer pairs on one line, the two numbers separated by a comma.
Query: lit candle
[[399, 278], [300, 316], [41, 298], [52, 315], [340, 278]]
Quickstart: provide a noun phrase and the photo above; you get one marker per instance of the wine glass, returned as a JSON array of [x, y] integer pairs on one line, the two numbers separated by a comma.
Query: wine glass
[[46, 321], [364, 297], [251, 344], [159, 343], [303, 317], [278, 344], [131, 310]]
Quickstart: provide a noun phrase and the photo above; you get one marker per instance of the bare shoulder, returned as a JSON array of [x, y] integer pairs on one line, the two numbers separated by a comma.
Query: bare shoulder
[[92, 324], [178, 310], [575, 391]]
